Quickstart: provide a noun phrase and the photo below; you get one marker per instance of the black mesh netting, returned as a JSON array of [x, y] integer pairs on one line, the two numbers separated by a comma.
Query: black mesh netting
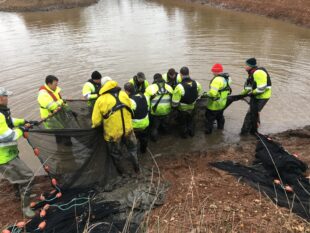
[[88, 194], [74, 153], [273, 162]]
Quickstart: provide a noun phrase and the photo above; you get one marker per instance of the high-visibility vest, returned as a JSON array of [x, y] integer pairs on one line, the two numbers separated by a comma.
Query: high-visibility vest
[[219, 89], [49, 100], [9, 135], [91, 91], [140, 106], [160, 98]]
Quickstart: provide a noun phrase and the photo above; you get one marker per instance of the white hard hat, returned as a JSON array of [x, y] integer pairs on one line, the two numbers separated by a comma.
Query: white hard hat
[[5, 92], [105, 79]]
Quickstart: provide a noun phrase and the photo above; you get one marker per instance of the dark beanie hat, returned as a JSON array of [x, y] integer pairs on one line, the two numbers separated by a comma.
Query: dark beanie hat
[[96, 75], [251, 62]]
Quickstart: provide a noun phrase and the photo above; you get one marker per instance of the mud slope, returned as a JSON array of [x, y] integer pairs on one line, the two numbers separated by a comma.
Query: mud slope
[[39, 5]]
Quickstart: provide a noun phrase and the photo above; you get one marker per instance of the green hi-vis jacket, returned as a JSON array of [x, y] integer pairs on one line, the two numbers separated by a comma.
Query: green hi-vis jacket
[[9, 135], [140, 105], [219, 89], [160, 98], [185, 94], [259, 83]]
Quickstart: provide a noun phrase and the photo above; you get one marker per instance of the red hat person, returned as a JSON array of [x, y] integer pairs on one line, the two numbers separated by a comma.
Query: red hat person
[[217, 68]]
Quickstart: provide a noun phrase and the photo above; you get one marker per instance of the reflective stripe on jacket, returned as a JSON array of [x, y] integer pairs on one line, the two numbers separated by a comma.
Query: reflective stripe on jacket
[[219, 89], [140, 105], [47, 102], [8, 138], [91, 92], [259, 82], [160, 98], [179, 92]]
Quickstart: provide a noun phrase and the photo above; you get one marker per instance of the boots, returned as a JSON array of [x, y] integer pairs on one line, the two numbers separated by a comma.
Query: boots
[[27, 211], [135, 164]]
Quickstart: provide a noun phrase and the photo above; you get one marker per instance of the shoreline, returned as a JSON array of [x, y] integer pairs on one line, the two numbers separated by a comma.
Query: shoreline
[[191, 171], [297, 13], [38, 5]]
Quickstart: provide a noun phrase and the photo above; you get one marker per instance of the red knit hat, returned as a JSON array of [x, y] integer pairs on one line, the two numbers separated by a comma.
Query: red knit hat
[[217, 68]]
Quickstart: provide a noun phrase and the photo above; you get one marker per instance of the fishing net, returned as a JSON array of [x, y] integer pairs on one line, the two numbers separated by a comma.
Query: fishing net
[[88, 194], [273, 170], [73, 153]]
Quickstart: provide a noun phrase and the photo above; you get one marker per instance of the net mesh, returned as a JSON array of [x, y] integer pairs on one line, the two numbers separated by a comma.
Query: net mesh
[[274, 162]]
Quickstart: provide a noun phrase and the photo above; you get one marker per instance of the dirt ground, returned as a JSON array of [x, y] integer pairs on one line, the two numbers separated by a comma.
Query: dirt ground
[[202, 198], [297, 12], [39, 5]]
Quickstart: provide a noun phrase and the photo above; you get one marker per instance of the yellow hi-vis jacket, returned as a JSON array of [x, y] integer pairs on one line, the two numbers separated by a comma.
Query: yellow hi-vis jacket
[[219, 89], [47, 102], [8, 138], [112, 120], [259, 83], [90, 92]]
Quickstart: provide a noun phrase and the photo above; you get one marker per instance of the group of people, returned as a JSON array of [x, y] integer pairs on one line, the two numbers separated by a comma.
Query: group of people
[[140, 111]]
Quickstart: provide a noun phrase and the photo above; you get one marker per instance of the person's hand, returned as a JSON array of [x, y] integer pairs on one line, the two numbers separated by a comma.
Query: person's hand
[[57, 109], [24, 128], [31, 123]]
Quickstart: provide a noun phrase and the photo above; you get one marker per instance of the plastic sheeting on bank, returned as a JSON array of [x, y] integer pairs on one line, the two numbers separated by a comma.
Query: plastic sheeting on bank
[[272, 162]]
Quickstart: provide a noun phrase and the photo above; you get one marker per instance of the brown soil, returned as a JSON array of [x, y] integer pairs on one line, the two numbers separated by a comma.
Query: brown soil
[[297, 12], [202, 198], [42, 5]]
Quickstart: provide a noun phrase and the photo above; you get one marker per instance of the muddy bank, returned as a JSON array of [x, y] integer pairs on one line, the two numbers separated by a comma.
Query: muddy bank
[[297, 12], [202, 198], [39, 5]]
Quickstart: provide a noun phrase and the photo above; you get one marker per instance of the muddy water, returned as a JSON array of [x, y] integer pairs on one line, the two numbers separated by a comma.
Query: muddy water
[[120, 38]]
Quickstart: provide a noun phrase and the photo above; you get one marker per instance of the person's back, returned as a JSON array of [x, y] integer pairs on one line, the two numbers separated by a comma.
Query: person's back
[[219, 90], [160, 98], [159, 94], [184, 99], [140, 105], [113, 110]]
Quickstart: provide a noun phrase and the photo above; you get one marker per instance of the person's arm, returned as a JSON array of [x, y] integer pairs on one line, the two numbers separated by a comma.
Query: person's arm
[[214, 88], [133, 105], [199, 88], [97, 118], [18, 122], [47, 102], [7, 134], [260, 77], [146, 83], [177, 95], [87, 92]]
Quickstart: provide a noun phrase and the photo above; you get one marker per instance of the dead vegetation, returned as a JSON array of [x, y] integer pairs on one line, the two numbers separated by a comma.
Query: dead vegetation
[[297, 12]]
